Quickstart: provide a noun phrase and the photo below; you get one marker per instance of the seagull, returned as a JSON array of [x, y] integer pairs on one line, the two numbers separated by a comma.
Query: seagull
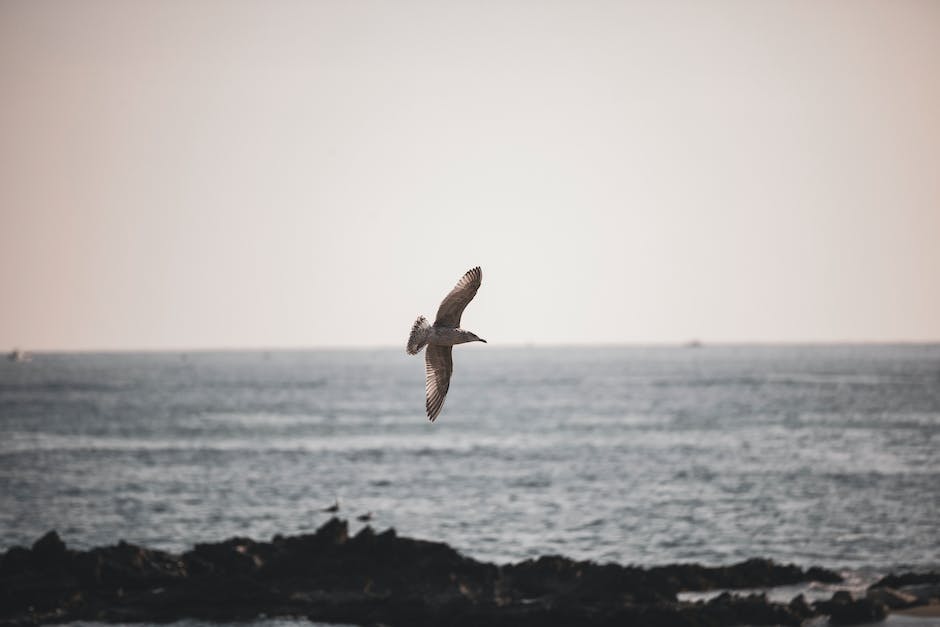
[[441, 337]]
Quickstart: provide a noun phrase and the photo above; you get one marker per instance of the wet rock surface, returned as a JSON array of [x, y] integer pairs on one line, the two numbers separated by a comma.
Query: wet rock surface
[[849, 611], [381, 578], [906, 590], [893, 599], [907, 579]]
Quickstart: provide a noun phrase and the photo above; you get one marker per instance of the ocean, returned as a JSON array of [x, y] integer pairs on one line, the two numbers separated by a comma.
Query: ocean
[[818, 455]]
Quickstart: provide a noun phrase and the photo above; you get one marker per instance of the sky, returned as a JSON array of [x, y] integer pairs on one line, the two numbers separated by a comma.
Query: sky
[[236, 174]]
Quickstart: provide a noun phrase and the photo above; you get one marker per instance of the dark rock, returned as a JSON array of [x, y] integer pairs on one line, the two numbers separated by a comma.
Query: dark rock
[[335, 531], [799, 607], [906, 579], [366, 534], [586, 581], [752, 573], [49, 551], [893, 599], [87, 568], [924, 593], [840, 597], [131, 567], [752, 610], [822, 575], [234, 556], [372, 578], [15, 561], [857, 611], [843, 609]]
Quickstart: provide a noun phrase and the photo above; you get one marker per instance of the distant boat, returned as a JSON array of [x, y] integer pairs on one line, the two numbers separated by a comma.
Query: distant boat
[[19, 356], [332, 509], [693, 344], [364, 517]]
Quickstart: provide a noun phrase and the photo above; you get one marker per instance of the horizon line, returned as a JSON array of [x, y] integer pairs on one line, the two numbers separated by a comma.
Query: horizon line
[[691, 343]]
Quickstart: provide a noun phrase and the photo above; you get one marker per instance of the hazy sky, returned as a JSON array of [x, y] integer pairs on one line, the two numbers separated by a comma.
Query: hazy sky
[[291, 174]]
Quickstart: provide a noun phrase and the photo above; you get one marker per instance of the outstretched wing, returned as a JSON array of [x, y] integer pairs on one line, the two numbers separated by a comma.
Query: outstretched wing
[[439, 364], [448, 314]]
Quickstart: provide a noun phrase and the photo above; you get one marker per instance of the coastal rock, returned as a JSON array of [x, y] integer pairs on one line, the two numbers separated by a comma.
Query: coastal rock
[[753, 609], [822, 575], [923, 587], [586, 581], [372, 578], [857, 611], [131, 567], [893, 599], [843, 609], [800, 607], [840, 597], [236, 556], [752, 573], [906, 579], [49, 551], [924, 593], [15, 561]]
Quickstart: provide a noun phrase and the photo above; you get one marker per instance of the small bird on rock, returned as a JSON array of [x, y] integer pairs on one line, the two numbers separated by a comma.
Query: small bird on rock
[[441, 337]]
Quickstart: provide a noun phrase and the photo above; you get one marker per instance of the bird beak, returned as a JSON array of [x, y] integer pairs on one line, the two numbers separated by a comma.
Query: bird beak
[[482, 340]]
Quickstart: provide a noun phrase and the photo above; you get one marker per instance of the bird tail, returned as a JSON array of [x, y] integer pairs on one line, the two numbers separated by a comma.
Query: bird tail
[[420, 331]]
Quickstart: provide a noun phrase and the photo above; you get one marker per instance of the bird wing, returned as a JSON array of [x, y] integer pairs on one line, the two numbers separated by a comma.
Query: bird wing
[[448, 314], [439, 364]]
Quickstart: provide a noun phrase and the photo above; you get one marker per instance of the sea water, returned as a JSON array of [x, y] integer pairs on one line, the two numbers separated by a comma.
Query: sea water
[[643, 455]]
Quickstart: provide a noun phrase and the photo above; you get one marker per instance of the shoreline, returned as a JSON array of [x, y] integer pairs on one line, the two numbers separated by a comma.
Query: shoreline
[[382, 578]]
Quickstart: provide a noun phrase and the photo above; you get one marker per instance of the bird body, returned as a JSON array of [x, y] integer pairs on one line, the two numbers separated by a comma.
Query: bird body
[[441, 337], [447, 336]]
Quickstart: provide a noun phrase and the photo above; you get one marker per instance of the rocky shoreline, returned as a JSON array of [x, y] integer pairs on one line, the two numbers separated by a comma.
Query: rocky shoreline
[[383, 579]]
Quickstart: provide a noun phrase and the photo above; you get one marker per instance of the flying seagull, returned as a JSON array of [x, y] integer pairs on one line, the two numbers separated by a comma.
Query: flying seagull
[[441, 337]]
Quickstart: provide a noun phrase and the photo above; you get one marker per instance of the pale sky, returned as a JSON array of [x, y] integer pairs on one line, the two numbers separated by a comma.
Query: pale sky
[[179, 174]]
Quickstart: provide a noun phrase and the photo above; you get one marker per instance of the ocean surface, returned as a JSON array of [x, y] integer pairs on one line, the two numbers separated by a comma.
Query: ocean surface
[[815, 455]]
